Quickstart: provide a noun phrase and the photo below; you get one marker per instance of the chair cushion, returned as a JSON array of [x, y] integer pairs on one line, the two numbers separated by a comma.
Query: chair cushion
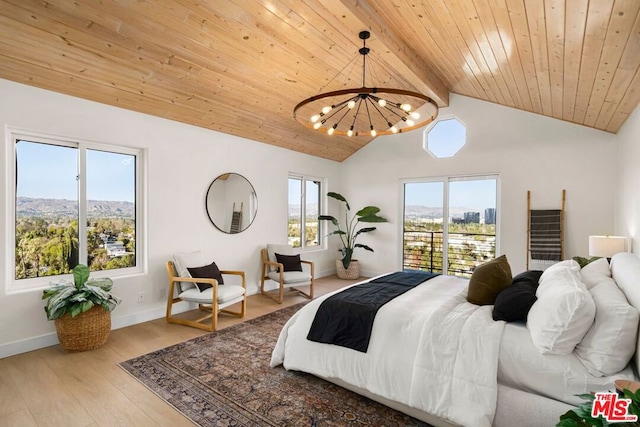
[[210, 271], [281, 249], [226, 293], [290, 277], [289, 262], [184, 260]]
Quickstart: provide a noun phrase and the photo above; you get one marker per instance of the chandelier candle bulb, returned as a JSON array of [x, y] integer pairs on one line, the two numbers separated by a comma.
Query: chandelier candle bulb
[[361, 111]]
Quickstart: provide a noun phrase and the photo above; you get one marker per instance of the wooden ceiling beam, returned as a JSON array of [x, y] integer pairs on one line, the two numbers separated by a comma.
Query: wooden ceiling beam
[[401, 56]]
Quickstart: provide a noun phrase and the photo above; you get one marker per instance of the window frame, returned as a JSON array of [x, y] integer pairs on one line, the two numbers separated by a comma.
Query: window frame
[[303, 209], [13, 135], [446, 180], [430, 127]]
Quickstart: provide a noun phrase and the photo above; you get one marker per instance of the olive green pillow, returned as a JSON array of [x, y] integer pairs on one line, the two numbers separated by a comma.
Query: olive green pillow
[[488, 280], [583, 262]]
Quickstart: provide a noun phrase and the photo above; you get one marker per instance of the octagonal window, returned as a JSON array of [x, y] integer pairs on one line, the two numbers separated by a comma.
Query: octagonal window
[[445, 138]]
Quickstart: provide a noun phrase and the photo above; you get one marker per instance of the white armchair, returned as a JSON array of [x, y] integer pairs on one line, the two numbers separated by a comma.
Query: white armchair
[[213, 300], [288, 272]]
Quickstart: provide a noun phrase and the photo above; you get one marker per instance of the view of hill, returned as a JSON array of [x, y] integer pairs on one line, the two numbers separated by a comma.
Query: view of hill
[[47, 208], [312, 210], [417, 211], [411, 211]]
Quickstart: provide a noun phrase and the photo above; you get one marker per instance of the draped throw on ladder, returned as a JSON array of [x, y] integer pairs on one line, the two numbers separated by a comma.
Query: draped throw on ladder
[[546, 234]]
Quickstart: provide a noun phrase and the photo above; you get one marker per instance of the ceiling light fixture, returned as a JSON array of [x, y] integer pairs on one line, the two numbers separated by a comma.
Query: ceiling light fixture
[[365, 111]]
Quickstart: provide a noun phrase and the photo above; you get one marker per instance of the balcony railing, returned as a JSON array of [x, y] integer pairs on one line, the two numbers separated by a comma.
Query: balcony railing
[[423, 250]]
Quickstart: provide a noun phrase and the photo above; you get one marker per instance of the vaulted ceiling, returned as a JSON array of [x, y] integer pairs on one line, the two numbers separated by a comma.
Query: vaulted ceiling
[[240, 66]]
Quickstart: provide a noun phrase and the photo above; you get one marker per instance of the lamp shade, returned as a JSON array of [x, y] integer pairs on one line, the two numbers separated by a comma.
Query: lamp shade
[[606, 246]]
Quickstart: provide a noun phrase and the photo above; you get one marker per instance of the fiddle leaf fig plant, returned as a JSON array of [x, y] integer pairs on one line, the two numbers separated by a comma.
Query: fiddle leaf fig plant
[[80, 296], [352, 228]]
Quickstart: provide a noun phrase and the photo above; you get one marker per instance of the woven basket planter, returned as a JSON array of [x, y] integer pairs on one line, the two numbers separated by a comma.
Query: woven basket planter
[[351, 273], [86, 331]]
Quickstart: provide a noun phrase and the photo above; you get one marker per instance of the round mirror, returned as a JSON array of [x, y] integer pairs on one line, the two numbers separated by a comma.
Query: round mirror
[[231, 203]]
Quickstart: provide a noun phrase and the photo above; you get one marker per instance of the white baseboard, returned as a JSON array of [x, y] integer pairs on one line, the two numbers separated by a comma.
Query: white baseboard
[[117, 322], [29, 344], [47, 340]]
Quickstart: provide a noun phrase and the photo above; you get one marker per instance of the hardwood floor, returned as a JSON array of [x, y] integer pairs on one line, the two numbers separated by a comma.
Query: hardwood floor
[[52, 387]]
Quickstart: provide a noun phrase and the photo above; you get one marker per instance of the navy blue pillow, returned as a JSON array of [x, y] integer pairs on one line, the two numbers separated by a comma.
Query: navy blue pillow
[[290, 262], [530, 277], [514, 302], [210, 271]]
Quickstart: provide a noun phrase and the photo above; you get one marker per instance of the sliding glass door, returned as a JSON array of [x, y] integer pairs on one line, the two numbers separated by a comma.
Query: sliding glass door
[[449, 223]]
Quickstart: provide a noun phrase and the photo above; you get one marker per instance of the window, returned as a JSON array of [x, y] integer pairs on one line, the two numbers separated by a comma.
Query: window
[[304, 208], [445, 137], [449, 223], [74, 203]]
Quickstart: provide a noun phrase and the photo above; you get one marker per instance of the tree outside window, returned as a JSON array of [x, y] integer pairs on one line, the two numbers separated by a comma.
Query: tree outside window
[[74, 203], [303, 210]]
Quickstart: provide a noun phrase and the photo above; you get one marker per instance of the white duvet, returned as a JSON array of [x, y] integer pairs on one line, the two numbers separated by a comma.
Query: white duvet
[[430, 349]]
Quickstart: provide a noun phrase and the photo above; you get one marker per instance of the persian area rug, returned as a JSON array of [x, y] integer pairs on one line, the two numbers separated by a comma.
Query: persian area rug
[[224, 379]]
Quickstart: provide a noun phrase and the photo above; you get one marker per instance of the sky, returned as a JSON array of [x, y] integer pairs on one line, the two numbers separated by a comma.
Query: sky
[[295, 188], [477, 194], [446, 137], [49, 171]]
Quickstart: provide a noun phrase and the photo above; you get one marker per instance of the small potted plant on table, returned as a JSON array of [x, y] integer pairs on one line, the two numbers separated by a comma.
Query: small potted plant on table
[[81, 310], [347, 267]]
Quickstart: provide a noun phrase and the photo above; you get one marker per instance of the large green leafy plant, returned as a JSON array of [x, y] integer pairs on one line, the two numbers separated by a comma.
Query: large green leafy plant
[[80, 296], [352, 227]]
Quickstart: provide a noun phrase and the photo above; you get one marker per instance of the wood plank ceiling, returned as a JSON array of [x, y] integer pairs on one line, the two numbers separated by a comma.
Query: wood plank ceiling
[[240, 66]]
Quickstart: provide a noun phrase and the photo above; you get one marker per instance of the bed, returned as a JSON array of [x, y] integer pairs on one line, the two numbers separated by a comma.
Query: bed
[[437, 357]]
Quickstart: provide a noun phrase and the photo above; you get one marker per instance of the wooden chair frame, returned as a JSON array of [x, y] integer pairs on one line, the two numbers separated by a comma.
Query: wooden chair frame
[[212, 308], [266, 263]]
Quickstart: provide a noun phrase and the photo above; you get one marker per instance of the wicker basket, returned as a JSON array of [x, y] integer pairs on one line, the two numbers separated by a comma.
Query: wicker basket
[[86, 331], [351, 273]]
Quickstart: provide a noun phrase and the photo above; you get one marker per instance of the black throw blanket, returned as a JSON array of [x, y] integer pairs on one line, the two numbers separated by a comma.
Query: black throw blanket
[[346, 318]]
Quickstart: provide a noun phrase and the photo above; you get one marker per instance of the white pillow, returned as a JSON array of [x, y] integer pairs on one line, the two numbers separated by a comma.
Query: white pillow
[[595, 272], [558, 266], [184, 260], [611, 341], [563, 312]]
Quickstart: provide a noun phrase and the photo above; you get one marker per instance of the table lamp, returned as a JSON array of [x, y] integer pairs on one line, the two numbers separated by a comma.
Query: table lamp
[[606, 246]]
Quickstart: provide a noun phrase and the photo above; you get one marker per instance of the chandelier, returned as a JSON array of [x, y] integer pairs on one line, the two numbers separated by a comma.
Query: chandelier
[[366, 111]]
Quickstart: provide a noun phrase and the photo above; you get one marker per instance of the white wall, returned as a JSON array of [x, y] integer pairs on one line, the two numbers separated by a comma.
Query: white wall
[[529, 152], [627, 220], [182, 161]]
